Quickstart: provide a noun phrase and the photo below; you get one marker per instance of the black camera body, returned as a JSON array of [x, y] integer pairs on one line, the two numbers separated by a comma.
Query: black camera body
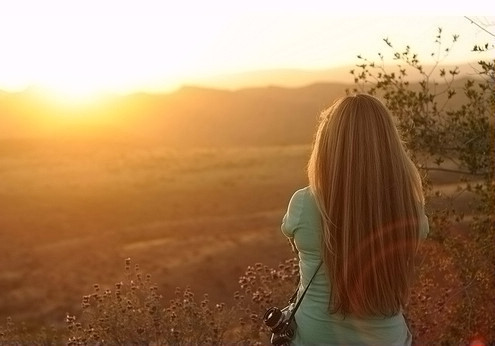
[[281, 323]]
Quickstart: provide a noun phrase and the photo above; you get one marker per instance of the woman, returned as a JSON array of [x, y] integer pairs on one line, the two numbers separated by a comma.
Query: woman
[[362, 216]]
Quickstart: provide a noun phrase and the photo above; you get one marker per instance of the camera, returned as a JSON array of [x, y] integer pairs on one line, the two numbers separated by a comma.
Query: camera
[[281, 324]]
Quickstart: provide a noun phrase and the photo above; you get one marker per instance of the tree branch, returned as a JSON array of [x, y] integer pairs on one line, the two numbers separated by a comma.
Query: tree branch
[[479, 26], [451, 170]]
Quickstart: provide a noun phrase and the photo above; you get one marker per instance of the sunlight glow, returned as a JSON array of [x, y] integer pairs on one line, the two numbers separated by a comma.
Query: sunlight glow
[[72, 94], [82, 49]]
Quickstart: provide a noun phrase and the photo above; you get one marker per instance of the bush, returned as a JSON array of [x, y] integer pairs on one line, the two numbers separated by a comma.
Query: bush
[[133, 313]]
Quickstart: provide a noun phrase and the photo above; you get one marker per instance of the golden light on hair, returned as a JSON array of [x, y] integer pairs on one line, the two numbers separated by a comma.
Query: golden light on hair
[[370, 196]]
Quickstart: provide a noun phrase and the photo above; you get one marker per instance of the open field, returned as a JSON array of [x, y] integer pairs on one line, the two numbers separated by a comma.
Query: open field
[[71, 212]]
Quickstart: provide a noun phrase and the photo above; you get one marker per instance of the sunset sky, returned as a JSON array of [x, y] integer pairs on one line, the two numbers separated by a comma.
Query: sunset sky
[[83, 47]]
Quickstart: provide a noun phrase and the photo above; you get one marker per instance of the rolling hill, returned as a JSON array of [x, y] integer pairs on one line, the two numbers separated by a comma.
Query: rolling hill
[[191, 116]]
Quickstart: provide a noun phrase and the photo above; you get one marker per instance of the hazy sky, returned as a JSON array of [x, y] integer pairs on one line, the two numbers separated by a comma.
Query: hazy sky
[[94, 45]]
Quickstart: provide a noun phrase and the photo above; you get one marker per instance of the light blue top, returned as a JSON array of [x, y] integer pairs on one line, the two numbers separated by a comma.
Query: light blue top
[[315, 325]]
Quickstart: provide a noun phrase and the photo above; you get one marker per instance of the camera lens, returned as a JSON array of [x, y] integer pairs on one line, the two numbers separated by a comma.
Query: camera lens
[[272, 317]]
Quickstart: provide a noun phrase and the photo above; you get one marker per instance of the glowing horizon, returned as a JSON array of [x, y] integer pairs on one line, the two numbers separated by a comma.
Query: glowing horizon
[[80, 50]]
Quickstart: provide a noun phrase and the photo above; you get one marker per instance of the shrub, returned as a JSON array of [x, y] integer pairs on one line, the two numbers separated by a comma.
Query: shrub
[[133, 313], [261, 288]]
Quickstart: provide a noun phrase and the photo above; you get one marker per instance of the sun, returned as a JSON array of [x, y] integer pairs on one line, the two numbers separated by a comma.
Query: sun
[[72, 95], [78, 85], [90, 83]]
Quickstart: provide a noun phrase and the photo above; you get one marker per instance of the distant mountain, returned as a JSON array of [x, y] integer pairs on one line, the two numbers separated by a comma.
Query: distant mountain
[[191, 116], [291, 78], [296, 78]]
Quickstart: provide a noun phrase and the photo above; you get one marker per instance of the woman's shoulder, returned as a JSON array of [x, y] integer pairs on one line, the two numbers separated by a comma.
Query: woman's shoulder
[[301, 211], [303, 199], [303, 194]]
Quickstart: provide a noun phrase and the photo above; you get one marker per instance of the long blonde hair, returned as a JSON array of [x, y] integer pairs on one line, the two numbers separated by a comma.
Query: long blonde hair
[[369, 194]]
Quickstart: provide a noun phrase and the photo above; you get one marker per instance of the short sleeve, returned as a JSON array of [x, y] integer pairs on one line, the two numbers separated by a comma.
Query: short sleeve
[[291, 219]]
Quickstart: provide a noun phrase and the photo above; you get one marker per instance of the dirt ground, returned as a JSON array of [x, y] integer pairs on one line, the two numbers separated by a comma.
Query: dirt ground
[[198, 217]]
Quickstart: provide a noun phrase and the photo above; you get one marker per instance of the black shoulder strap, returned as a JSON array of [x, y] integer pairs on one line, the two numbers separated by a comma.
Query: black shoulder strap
[[304, 292]]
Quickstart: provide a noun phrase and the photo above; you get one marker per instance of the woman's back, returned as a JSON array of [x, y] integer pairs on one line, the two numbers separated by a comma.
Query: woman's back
[[316, 326]]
